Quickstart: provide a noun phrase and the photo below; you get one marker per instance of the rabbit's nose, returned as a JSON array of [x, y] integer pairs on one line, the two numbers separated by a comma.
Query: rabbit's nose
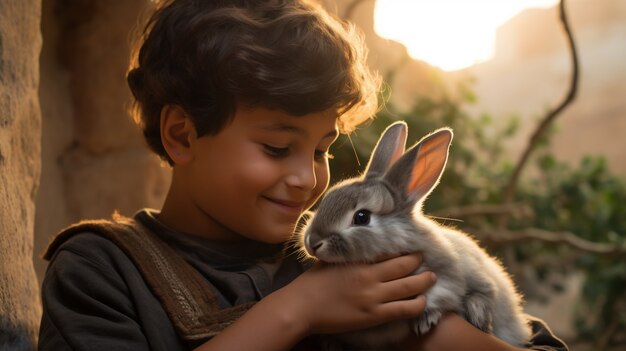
[[317, 246], [316, 250], [313, 242]]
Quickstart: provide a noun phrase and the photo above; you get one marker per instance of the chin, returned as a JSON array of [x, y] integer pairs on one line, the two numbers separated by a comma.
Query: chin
[[266, 236], [280, 237], [272, 239]]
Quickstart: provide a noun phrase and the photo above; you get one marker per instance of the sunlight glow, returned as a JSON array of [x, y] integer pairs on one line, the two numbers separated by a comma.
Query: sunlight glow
[[449, 34]]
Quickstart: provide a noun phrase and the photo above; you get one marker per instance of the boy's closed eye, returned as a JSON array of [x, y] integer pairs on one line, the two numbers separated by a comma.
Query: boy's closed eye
[[279, 152], [276, 151]]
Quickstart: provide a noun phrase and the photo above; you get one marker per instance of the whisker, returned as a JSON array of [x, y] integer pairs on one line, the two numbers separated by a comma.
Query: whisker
[[445, 218], [356, 155]]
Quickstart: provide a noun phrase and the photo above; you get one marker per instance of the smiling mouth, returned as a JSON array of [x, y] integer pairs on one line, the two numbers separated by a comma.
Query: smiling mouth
[[290, 206]]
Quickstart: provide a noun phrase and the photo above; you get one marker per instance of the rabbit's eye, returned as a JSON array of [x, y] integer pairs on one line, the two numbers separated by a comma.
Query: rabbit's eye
[[361, 217]]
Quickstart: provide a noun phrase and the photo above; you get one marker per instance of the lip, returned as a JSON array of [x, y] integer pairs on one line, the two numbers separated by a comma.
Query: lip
[[287, 205]]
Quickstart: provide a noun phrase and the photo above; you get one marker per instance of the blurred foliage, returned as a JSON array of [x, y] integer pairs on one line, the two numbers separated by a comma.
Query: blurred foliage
[[590, 201], [586, 199]]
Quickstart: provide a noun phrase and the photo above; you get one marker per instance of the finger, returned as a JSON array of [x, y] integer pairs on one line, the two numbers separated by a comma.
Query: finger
[[403, 309], [386, 257], [407, 287], [397, 267]]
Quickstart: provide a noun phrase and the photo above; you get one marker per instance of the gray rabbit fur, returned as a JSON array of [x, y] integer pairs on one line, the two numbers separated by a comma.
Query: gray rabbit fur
[[379, 215]]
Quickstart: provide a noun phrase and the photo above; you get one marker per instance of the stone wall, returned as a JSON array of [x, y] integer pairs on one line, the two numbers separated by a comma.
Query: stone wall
[[94, 159], [20, 131]]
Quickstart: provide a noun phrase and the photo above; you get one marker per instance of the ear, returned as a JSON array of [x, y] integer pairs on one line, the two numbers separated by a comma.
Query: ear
[[388, 150], [177, 133], [418, 171]]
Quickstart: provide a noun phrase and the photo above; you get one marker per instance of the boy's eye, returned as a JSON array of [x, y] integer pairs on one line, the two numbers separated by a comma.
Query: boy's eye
[[275, 151]]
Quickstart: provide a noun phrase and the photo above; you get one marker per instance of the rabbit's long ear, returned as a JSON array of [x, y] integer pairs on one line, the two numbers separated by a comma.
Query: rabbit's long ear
[[418, 171], [388, 150]]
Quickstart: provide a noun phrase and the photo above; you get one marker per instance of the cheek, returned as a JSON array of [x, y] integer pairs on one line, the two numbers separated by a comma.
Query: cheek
[[235, 174], [256, 173]]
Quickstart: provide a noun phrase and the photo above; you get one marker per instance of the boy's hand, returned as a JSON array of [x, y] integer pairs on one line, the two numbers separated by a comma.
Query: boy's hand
[[338, 298]]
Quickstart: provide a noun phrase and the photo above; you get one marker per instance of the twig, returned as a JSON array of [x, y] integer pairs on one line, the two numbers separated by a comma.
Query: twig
[[605, 338], [510, 188], [501, 237], [514, 209]]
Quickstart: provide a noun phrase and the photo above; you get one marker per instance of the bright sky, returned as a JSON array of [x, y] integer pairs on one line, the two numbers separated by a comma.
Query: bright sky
[[449, 34]]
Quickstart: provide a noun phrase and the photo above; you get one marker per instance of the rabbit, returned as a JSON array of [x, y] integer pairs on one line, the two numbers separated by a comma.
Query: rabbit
[[379, 215]]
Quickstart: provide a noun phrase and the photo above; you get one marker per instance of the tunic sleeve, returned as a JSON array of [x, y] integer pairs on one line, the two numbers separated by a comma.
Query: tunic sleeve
[[543, 339], [87, 307], [94, 298]]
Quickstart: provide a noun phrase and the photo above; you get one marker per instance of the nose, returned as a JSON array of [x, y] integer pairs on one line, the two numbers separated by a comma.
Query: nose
[[302, 175]]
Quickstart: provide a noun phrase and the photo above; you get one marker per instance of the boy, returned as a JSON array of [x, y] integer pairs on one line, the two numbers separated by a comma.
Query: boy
[[242, 98]]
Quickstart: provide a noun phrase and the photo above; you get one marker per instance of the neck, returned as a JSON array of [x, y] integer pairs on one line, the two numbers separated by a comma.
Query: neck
[[181, 213]]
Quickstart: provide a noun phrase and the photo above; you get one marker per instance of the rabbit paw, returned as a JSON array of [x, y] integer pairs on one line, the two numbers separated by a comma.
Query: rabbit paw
[[428, 319]]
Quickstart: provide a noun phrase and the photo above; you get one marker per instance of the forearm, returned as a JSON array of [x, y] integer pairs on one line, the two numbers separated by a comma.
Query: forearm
[[455, 334], [269, 325]]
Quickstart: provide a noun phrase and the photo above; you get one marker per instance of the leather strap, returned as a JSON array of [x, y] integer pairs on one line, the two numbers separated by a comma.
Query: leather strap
[[187, 298]]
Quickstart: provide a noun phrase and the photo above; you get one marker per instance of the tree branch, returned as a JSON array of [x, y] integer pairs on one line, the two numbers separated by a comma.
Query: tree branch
[[604, 339], [514, 209], [510, 188], [502, 237]]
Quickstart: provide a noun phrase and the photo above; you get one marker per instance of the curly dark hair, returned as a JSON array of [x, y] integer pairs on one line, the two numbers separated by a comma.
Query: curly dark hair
[[206, 56]]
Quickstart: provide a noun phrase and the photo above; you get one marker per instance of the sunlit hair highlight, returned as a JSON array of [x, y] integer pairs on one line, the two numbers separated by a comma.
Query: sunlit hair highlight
[[209, 56]]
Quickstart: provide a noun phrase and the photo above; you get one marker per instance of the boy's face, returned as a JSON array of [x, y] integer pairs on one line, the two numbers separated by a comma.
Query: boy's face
[[255, 177]]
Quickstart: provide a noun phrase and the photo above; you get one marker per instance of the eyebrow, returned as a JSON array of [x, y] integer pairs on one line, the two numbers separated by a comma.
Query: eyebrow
[[288, 128]]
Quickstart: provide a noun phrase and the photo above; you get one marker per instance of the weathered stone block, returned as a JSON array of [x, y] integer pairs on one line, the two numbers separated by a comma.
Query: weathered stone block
[[20, 132]]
